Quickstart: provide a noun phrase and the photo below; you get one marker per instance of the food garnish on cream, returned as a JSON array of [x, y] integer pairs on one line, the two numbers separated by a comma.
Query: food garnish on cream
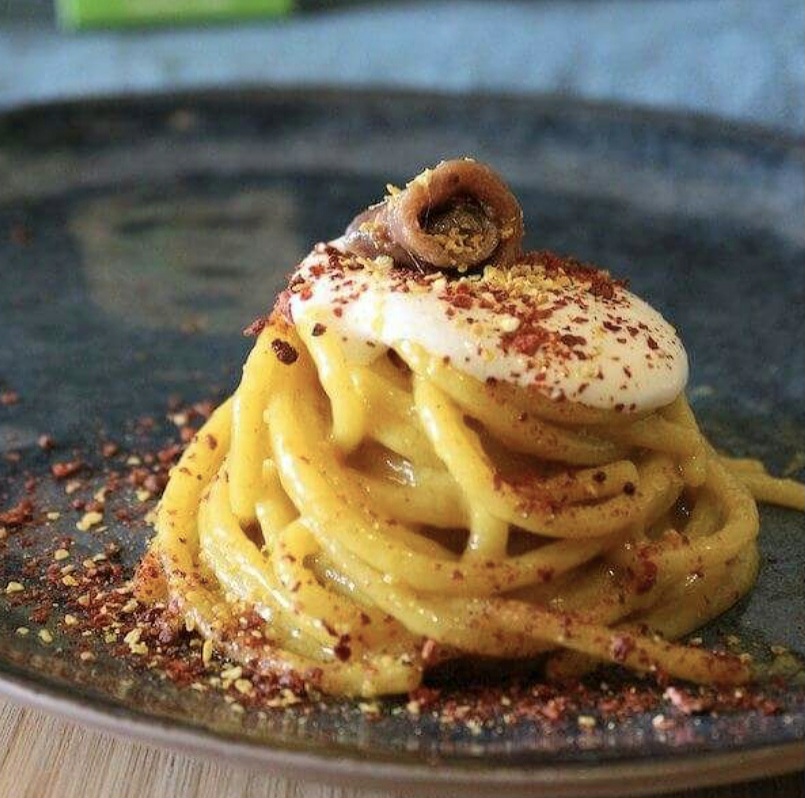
[[549, 323]]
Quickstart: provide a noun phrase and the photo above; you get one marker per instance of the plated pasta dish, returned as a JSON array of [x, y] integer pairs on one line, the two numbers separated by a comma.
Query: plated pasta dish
[[444, 448]]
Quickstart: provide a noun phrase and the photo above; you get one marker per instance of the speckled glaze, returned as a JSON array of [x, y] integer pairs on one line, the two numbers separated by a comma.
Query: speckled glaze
[[157, 228]]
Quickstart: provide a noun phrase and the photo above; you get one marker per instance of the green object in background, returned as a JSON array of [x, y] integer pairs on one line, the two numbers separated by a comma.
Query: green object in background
[[79, 14]]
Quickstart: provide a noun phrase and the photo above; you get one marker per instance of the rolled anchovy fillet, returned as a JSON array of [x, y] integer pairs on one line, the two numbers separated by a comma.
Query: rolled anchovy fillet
[[458, 215]]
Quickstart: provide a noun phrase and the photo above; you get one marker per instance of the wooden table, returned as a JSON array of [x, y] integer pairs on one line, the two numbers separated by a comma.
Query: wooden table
[[42, 756]]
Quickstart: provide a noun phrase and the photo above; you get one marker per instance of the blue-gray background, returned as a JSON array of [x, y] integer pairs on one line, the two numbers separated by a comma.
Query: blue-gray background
[[741, 60]]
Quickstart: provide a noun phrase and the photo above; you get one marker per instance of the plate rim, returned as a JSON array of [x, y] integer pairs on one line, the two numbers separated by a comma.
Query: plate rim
[[548, 102], [629, 777]]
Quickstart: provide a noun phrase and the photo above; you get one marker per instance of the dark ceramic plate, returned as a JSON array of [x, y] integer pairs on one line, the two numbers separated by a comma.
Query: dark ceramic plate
[[139, 236]]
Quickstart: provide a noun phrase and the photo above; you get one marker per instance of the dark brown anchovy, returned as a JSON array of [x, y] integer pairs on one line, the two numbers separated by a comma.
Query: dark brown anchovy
[[458, 215]]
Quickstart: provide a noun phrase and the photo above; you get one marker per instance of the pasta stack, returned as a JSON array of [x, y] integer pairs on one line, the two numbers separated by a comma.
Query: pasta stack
[[357, 520]]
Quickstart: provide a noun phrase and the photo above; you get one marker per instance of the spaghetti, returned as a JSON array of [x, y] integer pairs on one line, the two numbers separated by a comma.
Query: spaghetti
[[443, 447]]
